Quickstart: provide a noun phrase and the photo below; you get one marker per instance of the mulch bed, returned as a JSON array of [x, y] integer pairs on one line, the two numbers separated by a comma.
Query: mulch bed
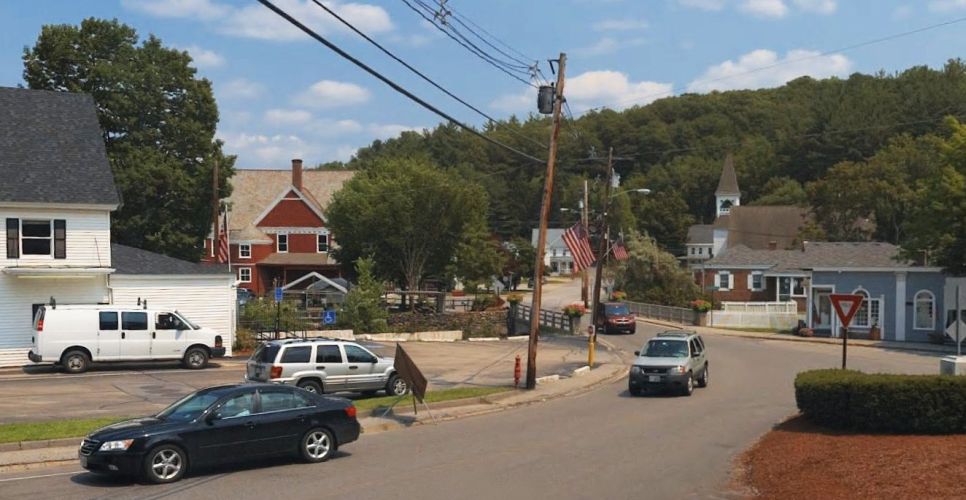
[[801, 460]]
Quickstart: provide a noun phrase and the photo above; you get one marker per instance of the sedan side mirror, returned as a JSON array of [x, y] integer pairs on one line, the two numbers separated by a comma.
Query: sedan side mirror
[[212, 417]]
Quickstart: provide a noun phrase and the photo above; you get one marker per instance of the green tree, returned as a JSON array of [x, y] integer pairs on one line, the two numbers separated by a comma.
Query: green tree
[[653, 275], [158, 120], [479, 257], [363, 310], [782, 191], [408, 215]]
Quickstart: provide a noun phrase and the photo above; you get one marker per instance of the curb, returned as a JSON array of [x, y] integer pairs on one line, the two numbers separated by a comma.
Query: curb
[[36, 445]]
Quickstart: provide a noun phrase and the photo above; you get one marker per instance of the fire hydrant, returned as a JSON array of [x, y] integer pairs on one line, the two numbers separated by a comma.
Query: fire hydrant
[[516, 372]]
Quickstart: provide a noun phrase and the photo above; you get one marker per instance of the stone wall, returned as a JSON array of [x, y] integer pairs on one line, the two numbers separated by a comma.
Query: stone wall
[[472, 324]]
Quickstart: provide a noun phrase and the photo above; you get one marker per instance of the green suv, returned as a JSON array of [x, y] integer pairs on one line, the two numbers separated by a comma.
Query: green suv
[[676, 360]]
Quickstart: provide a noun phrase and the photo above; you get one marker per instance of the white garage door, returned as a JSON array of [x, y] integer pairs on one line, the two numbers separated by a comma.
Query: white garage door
[[206, 300]]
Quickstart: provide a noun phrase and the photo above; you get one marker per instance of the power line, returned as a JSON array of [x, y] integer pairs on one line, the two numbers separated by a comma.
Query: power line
[[459, 19], [799, 59], [420, 74], [467, 47], [391, 83], [443, 13]]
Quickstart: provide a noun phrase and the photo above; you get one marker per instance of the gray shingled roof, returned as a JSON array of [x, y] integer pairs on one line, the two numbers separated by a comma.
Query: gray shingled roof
[[130, 260], [728, 184], [52, 150], [758, 226], [815, 255], [701, 234]]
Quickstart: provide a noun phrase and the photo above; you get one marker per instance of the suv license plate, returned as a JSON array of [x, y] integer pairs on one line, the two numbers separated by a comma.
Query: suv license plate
[[654, 378]]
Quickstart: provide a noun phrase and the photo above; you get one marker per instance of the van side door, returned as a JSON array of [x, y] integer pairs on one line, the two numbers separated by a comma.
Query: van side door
[[135, 335], [169, 337], [108, 335]]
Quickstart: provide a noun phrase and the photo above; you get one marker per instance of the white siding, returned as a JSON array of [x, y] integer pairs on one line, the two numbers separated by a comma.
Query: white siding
[[207, 301], [17, 295], [88, 237]]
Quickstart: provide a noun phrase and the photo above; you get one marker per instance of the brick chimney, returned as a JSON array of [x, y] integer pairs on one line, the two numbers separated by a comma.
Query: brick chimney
[[773, 245], [297, 174]]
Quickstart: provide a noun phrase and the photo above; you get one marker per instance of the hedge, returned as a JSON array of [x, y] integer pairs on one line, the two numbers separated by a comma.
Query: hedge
[[905, 404]]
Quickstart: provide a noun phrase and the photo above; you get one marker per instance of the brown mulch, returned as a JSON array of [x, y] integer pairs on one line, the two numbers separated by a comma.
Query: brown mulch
[[801, 460]]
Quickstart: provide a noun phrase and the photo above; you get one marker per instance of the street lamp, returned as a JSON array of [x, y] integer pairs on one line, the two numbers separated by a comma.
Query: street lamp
[[638, 190]]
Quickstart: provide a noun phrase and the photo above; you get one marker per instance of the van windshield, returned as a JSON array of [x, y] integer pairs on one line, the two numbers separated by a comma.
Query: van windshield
[[187, 321]]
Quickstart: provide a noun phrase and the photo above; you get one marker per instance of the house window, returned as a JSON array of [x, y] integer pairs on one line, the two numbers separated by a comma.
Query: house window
[[281, 241], [691, 250], [868, 313], [244, 251], [36, 237], [798, 288], [925, 311], [791, 287], [322, 241], [724, 280], [756, 281], [245, 274]]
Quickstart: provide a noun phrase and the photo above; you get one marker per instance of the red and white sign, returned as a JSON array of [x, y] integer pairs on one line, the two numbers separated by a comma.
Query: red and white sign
[[846, 305]]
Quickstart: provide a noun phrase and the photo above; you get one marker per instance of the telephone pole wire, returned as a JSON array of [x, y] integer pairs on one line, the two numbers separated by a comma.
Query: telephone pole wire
[[585, 218], [542, 233]]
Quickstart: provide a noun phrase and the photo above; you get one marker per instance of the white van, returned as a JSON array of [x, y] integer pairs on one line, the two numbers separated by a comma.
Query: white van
[[73, 336]]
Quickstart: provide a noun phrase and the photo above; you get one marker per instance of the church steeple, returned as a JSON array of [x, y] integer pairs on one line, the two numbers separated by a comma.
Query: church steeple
[[727, 195]]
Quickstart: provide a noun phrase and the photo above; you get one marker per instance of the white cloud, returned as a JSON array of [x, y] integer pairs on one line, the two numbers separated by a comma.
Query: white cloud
[[267, 151], [198, 9], [333, 128], [255, 21], [764, 8], [947, 5], [204, 58], [287, 116], [620, 25], [817, 6], [330, 94], [592, 89], [609, 45], [388, 130], [763, 68], [240, 88], [713, 5]]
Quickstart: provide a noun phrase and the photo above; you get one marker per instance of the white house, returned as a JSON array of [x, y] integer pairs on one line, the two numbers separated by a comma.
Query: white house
[[57, 193], [556, 255]]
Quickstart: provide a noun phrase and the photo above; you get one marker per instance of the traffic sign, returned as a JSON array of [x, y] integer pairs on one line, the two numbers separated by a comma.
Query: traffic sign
[[846, 305], [328, 318], [278, 294]]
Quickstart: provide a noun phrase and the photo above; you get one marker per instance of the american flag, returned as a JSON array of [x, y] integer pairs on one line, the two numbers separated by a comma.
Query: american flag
[[620, 251], [578, 241], [223, 241]]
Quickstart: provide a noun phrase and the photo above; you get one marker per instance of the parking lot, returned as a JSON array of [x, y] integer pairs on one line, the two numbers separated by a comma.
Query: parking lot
[[43, 393]]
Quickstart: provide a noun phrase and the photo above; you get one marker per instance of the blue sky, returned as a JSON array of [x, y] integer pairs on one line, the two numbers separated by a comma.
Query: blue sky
[[282, 95]]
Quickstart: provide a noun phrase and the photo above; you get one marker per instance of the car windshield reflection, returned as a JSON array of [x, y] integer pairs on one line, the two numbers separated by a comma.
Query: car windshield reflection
[[188, 408], [666, 349]]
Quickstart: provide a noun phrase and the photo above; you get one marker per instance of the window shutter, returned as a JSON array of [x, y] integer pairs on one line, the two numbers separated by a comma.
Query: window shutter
[[717, 280], [13, 238], [751, 281], [60, 239]]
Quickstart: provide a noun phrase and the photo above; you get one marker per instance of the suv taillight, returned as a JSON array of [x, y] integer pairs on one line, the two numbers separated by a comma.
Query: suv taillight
[[40, 326], [350, 411], [217, 340], [276, 372]]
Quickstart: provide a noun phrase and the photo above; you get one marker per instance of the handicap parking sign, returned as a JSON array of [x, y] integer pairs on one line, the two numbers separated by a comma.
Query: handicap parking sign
[[278, 294], [328, 318]]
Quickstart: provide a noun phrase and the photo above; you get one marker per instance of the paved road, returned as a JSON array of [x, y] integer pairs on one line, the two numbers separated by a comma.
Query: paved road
[[603, 444]]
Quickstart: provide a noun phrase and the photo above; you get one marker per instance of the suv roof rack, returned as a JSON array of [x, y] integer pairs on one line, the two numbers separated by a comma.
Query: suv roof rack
[[677, 334], [313, 339]]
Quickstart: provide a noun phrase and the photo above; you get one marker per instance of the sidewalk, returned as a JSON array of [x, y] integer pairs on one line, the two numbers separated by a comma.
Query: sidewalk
[[561, 372], [881, 344]]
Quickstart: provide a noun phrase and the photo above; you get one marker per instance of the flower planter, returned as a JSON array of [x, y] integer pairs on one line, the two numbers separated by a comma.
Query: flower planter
[[701, 318]]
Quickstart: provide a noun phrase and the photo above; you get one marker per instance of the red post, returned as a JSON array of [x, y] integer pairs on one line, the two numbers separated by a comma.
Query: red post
[[516, 372]]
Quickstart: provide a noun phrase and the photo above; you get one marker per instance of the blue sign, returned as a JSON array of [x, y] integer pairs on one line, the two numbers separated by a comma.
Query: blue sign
[[328, 318], [278, 294]]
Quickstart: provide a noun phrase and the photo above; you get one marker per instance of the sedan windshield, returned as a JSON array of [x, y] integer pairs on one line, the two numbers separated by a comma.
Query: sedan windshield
[[189, 407], [618, 310], [666, 349]]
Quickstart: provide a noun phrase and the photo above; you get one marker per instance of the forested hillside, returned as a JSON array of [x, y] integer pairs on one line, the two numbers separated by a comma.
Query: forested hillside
[[874, 146]]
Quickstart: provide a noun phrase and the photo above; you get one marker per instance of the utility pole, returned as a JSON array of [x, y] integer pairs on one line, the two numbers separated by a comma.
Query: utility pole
[[542, 232], [584, 277], [214, 206], [601, 259]]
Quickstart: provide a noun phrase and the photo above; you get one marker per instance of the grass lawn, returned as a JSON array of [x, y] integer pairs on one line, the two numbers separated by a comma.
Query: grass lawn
[[431, 397], [52, 429]]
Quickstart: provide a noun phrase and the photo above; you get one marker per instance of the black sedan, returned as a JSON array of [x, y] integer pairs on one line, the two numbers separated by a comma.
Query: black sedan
[[219, 425]]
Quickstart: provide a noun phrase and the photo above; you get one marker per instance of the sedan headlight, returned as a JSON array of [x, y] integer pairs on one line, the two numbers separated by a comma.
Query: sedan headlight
[[117, 445], [679, 369]]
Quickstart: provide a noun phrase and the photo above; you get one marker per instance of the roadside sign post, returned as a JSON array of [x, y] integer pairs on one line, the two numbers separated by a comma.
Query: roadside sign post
[[278, 306], [845, 305], [328, 317]]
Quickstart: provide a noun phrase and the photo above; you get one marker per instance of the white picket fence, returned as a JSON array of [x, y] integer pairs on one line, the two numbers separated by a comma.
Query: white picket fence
[[770, 315]]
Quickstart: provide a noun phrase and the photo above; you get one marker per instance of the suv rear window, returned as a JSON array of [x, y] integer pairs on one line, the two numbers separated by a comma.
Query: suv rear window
[[266, 353], [300, 354]]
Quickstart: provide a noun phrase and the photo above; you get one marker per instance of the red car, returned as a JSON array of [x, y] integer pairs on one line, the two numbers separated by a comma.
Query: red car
[[617, 318]]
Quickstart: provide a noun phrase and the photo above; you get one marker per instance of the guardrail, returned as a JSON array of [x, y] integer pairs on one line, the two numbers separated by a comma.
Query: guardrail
[[681, 315]]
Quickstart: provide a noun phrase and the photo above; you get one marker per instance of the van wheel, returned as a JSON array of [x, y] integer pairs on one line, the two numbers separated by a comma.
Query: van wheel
[[75, 361], [195, 359], [310, 386]]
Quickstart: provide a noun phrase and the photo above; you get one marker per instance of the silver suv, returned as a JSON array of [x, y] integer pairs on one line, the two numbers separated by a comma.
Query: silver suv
[[671, 360], [323, 365]]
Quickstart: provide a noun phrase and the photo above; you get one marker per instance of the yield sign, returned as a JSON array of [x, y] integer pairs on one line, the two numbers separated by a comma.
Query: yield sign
[[846, 305]]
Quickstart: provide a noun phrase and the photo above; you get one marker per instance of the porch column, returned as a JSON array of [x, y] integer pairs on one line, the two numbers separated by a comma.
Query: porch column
[[900, 308]]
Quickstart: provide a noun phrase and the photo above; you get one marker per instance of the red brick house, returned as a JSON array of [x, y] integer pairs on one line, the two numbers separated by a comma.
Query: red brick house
[[277, 227]]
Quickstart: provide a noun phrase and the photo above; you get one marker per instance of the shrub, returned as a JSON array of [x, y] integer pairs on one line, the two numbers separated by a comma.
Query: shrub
[[907, 404], [618, 295], [575, 310], [514, 298], [700, 305], [486, 302], [244, 340]]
